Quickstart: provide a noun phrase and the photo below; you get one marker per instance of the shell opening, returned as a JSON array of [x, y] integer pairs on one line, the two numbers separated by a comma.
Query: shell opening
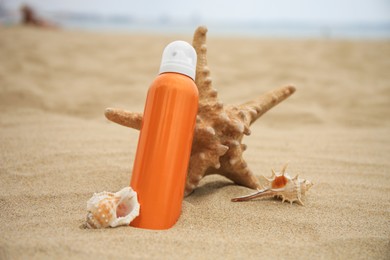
[[279, 182], [125, 207]]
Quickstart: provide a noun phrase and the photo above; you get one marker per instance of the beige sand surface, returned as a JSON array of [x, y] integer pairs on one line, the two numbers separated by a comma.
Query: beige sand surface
[[57, 148]]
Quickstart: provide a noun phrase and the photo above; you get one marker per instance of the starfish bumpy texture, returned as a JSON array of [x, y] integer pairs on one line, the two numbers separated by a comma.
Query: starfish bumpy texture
[[216, 147]]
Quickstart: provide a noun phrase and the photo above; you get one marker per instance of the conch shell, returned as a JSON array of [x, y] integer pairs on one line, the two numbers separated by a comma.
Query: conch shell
[[281, 185], [107, 209]]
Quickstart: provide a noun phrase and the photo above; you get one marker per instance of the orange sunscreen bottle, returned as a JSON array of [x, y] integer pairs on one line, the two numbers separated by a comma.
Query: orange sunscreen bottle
[[164, 145]]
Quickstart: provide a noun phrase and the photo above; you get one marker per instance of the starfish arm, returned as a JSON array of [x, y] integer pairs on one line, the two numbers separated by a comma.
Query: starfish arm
[[257, 107], [202, 159], [125, 118], [241, 174], [234, 167], [202, 79], [196, 171]]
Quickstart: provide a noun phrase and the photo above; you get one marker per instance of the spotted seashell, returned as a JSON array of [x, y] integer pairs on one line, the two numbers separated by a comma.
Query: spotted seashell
[[107, 209], [281, 185]]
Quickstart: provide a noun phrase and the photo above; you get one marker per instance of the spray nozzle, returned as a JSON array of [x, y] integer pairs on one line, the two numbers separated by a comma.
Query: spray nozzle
[[180, 57]]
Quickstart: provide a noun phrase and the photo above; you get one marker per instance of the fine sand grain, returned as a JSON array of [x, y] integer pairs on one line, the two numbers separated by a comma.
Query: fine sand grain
[[57, 148]]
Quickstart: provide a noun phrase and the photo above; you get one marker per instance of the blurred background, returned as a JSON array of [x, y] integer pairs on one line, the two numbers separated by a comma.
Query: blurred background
[[57, 147], [279, 18]]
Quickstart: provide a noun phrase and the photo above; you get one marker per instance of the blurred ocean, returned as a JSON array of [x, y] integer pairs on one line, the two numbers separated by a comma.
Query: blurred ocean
[[163, 25], [265, 29]]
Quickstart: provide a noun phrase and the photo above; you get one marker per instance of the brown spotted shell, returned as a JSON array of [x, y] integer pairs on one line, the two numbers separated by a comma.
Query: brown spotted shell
[[107, 209]]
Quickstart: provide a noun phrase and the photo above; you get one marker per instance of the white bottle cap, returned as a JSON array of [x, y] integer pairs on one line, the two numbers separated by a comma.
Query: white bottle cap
[[180, 57]]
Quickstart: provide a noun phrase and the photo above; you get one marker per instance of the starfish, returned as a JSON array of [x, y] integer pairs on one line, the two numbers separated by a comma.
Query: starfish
[[217, 146]]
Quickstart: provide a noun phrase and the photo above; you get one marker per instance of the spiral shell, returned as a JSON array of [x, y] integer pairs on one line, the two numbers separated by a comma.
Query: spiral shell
[[281, 185]]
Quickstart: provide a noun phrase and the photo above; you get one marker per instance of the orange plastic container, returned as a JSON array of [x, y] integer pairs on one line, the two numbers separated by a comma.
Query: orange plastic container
[[164, 146]]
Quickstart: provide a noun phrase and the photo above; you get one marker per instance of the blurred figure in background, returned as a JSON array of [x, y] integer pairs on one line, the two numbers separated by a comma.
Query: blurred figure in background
[[29, 17]]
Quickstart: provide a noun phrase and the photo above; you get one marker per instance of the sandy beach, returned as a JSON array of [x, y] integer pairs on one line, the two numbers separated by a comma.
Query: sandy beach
[[57, 148]]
